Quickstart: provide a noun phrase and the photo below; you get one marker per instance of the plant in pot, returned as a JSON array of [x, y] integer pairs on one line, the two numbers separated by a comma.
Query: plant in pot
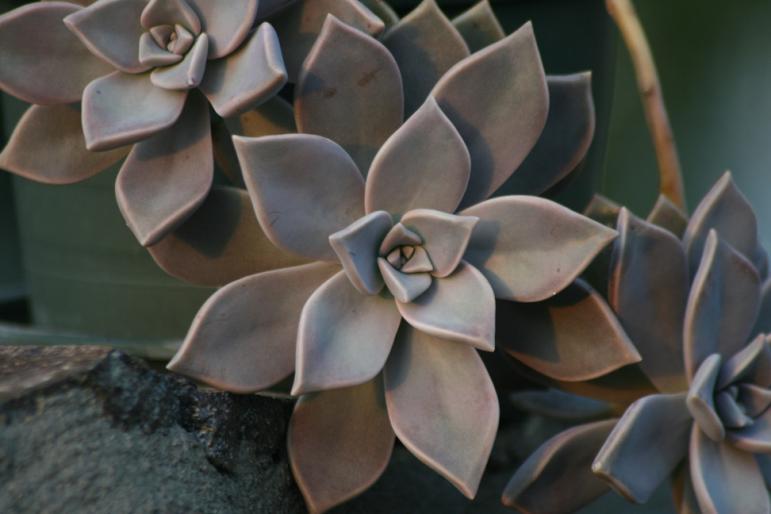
[[404, 253]]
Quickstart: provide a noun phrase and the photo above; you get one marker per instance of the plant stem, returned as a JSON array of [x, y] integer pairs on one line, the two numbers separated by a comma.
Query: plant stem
[[670, 174]]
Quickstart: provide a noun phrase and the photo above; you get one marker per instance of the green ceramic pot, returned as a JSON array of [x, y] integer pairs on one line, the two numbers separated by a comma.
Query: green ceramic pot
[[11, 276], [87, 277]]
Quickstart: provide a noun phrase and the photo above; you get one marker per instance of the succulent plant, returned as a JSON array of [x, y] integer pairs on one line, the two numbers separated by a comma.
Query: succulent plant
[[405, 259], [146, 74], [690, 304]]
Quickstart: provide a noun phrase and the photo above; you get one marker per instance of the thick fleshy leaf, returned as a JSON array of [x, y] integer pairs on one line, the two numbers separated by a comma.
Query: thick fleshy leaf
[[530, 248], [399, 235], [729, 412], [701, 398], [423, 164], [564, 141], [622, 386], [187, 73], [742, 365], [299, 26], [558, 404], [498, 100], [405, 287], [442, 405], [649, 298], [459, 307], [65, 160], [350, 91], [344, 337], [605, 211], [425, 45], [722, 306], [157, 188], [227, 27], [669, 216], [755, 437], [220, 242], [726, 480], [726, 210], [170, 12], [111, 29], [339, 443], [357, 248], [300, 206], [479, 26], [649, 441], [120, 109], [572, 336], [558, 477], [243, 338], [248, 76], [41, 61], [445, 237], [754, 399]]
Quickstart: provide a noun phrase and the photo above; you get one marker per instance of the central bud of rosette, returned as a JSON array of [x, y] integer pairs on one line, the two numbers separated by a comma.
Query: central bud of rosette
[[405, 256], [731, 399], [173, 43]]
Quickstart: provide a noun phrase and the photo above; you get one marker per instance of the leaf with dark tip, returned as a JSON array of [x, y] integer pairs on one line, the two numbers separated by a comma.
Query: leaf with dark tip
[[442, 405], [220, 242], [356, 105], [498, 100], [669, 216], [530, 248], [726, 480], [41, 62], [157, 188], [300, 206], [479, 26], [425, 45], [65, 160], [339, 443], [572, 336], [565, 139], [243, 338], [645, 447], [558, 477], [723, 304], [649, 298]]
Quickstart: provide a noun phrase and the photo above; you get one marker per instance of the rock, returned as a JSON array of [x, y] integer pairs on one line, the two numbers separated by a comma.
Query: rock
[[87, 430]]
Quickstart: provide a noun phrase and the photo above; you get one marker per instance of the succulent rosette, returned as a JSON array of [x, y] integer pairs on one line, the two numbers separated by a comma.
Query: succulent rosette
[[689, 293], [146, 73], [405, 257]]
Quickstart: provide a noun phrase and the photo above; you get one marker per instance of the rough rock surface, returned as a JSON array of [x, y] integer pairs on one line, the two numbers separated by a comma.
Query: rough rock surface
[[86, 430]]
